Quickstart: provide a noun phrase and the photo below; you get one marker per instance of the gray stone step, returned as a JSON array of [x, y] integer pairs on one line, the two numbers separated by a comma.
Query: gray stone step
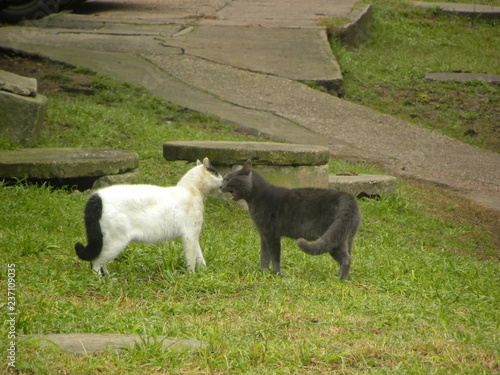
[[23, 111], [87, 343], [22, 117], [493, 79], [47, 163], [283, 164], [363, 185], [474, 10], [261, 153]]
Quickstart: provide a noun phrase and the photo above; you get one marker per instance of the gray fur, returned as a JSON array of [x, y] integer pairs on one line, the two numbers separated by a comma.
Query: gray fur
[[323, 221]]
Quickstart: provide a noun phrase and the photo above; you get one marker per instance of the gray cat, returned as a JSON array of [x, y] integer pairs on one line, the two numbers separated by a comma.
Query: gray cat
[[329, 218]]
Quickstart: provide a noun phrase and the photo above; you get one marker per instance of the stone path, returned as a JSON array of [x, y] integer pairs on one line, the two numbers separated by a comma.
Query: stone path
[[88, 343], [193, 54]]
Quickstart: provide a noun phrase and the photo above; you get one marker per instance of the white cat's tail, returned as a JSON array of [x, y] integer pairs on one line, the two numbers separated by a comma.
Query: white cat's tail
[[93, 213], [339, 234]]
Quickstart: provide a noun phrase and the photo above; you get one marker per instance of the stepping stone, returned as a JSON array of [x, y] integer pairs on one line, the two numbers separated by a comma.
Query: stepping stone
[[363, 185], [87, 343], [474, 10], [283, 164], [493, 79], [61, 165]]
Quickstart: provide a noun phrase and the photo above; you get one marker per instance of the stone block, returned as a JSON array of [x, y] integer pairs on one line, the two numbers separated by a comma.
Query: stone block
[[22, 117], [282, 164], [363, 185], [262, 153]]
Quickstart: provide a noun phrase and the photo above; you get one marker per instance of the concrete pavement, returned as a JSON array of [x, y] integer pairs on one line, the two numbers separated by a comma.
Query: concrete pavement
[[243, 61]]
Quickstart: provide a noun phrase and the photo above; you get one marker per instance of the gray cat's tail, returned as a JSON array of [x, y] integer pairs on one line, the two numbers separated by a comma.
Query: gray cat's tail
[[93, 214], [344, 226]]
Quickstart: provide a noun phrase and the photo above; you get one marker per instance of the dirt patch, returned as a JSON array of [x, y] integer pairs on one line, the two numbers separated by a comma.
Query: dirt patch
[[51, 77]]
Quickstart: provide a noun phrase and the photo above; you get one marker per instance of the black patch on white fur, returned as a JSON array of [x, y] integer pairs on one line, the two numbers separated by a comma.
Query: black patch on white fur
[[213, 171], [93, 214]]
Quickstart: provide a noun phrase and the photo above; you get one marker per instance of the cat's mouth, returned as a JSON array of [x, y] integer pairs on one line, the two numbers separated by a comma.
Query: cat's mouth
[[233, 194]]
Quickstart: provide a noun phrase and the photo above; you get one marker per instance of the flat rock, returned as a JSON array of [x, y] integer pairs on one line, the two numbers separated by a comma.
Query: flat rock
[[482, 11], [261, 153], [17, 84], [493, 79], [363, 184], [47, 163], [87, 343]]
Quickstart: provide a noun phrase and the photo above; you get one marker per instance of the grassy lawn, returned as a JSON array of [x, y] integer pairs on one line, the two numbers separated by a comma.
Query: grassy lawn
[[422, 296], [387, 71]]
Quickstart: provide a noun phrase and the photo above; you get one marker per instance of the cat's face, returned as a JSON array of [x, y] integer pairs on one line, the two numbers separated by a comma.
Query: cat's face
[[211, 179], [238, 182]]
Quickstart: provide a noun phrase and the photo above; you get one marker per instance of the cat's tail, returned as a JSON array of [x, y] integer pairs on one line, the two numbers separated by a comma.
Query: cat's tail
[[93, 214], [344, 226]]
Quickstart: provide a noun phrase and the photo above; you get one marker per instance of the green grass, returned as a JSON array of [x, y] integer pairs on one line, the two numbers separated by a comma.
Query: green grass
[[387, 71], [411, 304]]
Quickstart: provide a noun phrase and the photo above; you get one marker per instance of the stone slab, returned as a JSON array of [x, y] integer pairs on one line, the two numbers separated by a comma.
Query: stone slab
[[87, 343], [482, 11], [493, 79], [47, 163], [363, 185], [261, 153], [21, 117], [17, 84]]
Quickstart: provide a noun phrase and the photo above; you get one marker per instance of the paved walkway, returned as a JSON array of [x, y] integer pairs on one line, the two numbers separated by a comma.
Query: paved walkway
[[242, 61]]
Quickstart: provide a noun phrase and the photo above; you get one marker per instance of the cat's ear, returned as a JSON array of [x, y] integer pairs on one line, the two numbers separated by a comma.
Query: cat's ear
[[247, 168], [198, 162], [206, 163]]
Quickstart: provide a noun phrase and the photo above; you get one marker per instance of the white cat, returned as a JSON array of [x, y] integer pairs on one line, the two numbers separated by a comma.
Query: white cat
[[120, 214]]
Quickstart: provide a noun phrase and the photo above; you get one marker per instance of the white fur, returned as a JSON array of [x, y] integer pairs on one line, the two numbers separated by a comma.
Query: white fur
[[152, 214]]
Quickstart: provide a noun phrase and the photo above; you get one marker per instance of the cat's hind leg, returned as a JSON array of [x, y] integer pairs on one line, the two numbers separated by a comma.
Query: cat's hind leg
[[200, 260], [110, 250], [343, 257]]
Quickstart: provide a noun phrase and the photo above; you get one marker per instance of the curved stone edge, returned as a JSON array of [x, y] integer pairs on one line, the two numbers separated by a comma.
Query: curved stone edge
[[52, 163], [261, 153], [87, 343]]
